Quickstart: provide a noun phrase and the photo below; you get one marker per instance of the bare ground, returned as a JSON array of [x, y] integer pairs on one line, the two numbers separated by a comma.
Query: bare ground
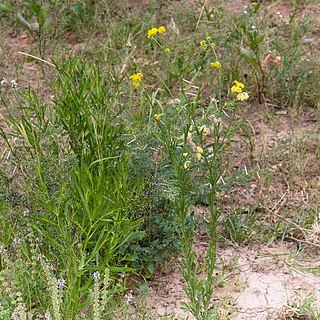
[[255, 282]]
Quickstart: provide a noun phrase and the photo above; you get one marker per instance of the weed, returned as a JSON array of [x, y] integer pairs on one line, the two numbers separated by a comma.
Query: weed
[[102, 178]]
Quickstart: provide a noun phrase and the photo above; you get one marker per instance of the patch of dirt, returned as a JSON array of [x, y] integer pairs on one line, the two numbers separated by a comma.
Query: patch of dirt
[[280, 10], [237, 8], [287, 149], [261, 283]]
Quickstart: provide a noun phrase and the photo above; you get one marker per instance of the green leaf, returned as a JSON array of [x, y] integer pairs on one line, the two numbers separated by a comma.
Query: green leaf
[[42, 16], [144, 288], [250, 56], [256, 41], [4, 7]]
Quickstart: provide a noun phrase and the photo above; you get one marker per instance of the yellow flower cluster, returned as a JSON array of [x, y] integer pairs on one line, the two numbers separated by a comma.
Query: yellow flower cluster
[[216, 65], [153, 31], [205, 42], [157, 117], [199, 153], [136, 79], [238, 88]]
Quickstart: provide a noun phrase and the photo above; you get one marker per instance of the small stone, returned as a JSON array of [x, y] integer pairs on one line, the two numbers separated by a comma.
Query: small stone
[[161, 311]]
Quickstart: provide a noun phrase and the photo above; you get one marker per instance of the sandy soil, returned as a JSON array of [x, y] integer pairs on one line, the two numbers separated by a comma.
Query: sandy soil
[[260, 282]]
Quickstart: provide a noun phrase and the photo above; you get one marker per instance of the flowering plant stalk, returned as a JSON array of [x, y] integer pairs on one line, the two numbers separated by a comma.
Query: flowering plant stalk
[[182, 131], [204, 159]]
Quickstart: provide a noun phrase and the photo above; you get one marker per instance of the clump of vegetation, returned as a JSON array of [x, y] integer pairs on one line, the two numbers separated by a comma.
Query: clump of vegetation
[[103, 168]]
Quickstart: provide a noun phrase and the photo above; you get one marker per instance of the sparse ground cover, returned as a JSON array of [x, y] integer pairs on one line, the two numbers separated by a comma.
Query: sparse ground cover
[[159, 160]]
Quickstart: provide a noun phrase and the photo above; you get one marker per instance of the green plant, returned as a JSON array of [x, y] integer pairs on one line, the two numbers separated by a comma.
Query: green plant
[[87, 213], [182, 132], [302, 310], [104, 170], [241, 226]]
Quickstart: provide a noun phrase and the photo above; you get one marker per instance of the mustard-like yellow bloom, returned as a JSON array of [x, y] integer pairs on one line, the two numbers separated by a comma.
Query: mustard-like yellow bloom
[[161, 30], [199, 149], [208, 38], [186, 165], [236, 89], [157, 117], [243, 96], [238, 84], [185, 154], [198, 156], [216, 65], [203, 43], [152, 32], [167, 50], [204, 130], [137, 77]]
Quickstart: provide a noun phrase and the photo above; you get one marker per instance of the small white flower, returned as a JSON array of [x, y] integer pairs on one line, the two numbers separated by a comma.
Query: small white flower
[[25, 212], [278, 13], [61, 283], [96, 276], [253, 27], [47, 316], [40, 257], [245, 12], [14, 84], [128, 298], [3, 81], [17, 240]]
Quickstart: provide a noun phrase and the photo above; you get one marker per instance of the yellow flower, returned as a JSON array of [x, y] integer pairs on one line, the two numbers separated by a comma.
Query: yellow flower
[[187, 165], [238, 84], [198, 156], [203, 44], [137, 77], [167, 50], [199, 150], [152, 32], [208, 38], [204, 130], [242, 96], [157, 117], [161, 29], [236, 89], [185, 154], [216, 65]]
